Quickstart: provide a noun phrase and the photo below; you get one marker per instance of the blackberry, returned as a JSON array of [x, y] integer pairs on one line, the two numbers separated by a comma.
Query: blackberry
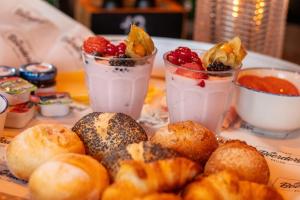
[[218, 66], [121, 62]]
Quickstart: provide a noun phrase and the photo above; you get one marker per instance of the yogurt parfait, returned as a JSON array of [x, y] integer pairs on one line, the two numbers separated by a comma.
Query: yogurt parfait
[[200, 83], [118, 72]]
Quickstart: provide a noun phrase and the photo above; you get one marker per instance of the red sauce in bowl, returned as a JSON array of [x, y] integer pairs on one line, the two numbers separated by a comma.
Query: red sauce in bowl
[[269, 84]]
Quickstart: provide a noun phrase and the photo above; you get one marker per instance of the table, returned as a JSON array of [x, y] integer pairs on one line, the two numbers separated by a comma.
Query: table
[[283, 155]]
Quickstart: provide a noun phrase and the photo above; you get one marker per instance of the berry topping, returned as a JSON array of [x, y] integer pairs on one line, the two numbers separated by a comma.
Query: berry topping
[[118, 61], [184, 49], [201, 83], [95, 44], [195, 58], [191, 74], [172, 57], [188, 59], [218, 66], [193, 66], [121, 48], [183, 55], [111, 49]]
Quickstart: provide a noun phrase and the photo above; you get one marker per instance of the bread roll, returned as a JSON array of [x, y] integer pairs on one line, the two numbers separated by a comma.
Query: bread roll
[[143, 151], [139, 179], [38, 144], [68, 177], [103, 133], [240, 158], [188, 138], [226, 185]]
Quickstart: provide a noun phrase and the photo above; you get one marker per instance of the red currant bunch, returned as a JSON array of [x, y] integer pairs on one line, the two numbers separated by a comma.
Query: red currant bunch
[[183, 55]]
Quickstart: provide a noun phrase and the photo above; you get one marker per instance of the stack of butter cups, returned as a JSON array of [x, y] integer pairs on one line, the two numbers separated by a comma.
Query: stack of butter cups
[[17, 91], [43, 75]]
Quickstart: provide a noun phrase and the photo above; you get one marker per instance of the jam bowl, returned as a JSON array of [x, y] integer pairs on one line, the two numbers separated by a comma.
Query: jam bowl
[[268, 99]]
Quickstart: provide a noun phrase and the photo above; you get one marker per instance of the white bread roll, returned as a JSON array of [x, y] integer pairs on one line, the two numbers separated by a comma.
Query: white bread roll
[[69, 177], [38, 144]]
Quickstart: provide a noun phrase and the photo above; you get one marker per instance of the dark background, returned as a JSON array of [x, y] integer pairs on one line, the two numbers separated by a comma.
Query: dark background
[[291, 51]]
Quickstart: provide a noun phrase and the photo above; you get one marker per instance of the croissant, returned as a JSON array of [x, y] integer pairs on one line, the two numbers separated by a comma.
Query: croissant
[[142, 151], [225, 185], [136, 178], [160, 196]]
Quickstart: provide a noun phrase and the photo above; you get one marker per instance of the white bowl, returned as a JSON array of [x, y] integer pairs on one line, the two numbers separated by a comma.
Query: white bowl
[[271, 112]]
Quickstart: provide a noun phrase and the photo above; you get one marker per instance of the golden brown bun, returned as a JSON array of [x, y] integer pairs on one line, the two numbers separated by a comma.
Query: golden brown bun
[[138, 178], [240, 158], [68, 177], [188, 138], [226, 185], [103, 133], [143, 151], [38, 144], [160, 196]]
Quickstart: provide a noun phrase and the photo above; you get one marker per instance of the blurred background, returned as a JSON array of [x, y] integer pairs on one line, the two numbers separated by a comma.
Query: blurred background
[[271, 27]]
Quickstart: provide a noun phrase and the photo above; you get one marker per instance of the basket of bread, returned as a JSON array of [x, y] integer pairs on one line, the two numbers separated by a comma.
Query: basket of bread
[[109, 156]]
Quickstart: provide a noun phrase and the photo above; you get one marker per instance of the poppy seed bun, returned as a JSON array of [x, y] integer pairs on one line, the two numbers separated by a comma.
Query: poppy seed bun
[[38, 144], [68, 177], [242, 159], [143, 151], [189, 138], [103, 133]]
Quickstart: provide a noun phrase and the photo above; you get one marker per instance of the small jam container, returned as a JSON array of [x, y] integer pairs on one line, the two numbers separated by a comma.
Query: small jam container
[[19, 115], [3, 112], [16, 90], [55, 104], [40, 74], [6, 71]]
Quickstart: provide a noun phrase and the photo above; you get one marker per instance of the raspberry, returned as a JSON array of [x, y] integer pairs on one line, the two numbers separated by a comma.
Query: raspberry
[[95, 44]]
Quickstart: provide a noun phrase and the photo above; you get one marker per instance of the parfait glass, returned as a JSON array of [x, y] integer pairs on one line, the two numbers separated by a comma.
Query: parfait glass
[[198, 95], [117, 84]]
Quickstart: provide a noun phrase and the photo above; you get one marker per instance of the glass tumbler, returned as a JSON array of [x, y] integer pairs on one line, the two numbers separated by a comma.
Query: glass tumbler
[[117, 84], [198, 95]]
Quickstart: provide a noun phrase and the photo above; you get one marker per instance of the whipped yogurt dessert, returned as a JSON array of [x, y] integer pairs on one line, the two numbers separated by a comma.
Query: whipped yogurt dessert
[[203, 101], [118, 77], [200, 89]]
